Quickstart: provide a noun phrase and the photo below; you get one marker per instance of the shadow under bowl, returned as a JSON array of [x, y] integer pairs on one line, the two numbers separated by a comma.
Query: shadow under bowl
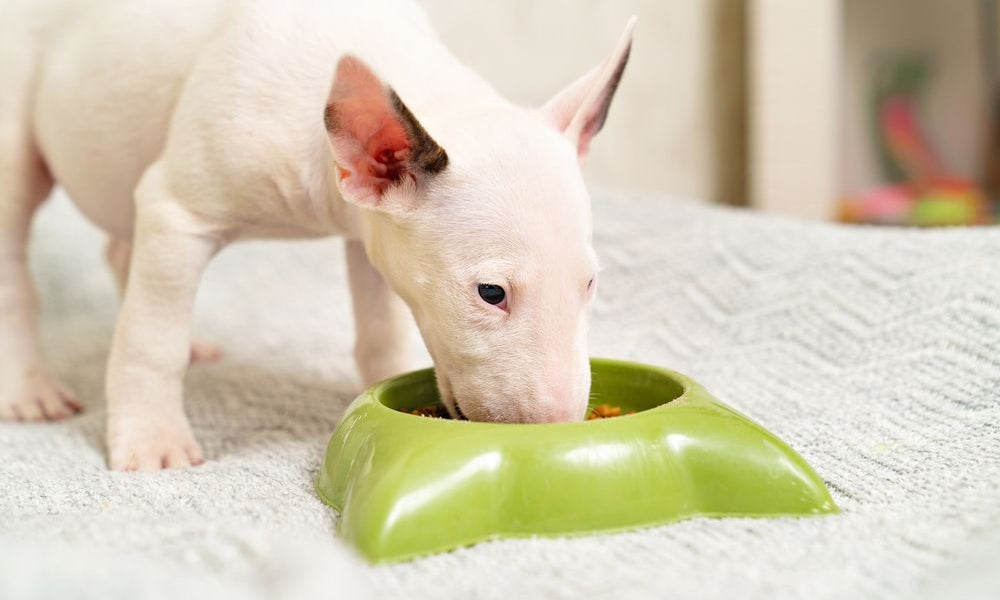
[[408, 485]]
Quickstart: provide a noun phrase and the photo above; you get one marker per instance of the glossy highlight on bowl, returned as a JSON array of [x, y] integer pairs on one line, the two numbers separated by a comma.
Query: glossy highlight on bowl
[[408, 485]]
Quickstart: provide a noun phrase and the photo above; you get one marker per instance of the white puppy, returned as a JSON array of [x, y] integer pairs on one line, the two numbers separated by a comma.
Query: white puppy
[[179, 126]]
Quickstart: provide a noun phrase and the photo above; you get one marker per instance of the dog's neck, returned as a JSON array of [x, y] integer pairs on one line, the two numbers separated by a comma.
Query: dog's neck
[[431, 81]]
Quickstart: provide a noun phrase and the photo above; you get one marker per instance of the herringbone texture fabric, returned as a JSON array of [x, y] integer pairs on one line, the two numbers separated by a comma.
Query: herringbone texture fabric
[[874, 353]]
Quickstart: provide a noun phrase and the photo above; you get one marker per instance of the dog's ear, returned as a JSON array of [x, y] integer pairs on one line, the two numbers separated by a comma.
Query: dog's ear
[[579, 111], [377, 142]]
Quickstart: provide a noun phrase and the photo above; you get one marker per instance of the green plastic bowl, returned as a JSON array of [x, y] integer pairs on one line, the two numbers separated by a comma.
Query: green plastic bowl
[[408, 485]]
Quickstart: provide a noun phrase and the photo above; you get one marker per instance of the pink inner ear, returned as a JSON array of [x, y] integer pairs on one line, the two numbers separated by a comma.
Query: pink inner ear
[[368, 139], [370, 143], [384, 154]]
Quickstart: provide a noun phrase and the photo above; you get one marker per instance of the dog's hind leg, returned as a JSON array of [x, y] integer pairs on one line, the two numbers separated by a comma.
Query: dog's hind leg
[[28, 390]]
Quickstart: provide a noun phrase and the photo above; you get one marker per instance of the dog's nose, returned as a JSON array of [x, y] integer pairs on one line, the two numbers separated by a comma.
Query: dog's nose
[[562, 396], [563, 413], [563, 406]]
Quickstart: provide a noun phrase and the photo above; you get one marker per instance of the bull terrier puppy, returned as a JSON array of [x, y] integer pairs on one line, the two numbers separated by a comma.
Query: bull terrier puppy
[[180, 126]]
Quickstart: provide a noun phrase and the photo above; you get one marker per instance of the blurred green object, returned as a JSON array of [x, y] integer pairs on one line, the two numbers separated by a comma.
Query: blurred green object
[[942, 210], [409, 485]]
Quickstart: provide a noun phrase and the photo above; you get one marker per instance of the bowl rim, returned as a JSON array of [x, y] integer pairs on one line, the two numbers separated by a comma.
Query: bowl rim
[[687, 396]]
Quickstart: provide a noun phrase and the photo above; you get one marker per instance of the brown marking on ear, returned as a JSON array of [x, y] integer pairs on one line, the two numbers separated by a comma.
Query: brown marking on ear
[[330, 118], [425, 153], [608, 94]]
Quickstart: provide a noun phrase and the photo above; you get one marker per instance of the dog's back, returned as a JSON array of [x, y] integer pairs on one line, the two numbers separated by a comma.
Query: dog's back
[[104, 83], [95, 88]]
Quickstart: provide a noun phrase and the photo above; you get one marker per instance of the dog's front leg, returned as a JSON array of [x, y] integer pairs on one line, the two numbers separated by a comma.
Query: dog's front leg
[[381, 320], [147, 427]]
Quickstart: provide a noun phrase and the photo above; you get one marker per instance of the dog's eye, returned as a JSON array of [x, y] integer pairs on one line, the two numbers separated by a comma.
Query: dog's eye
[[492, 294], [590, 284]]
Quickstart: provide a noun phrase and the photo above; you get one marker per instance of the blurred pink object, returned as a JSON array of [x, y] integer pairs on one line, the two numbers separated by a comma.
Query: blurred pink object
[[888, 203], [910, 149]]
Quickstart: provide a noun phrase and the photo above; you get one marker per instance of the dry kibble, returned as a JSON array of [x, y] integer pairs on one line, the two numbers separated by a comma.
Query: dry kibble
[[435, 411], [601, 411], [606, 411]]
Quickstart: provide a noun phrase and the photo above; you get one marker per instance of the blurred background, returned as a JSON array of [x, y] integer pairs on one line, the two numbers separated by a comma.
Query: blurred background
[[875, 111]]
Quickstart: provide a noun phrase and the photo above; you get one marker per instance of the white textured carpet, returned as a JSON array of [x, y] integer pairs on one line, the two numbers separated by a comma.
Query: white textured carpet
[[874, 353]]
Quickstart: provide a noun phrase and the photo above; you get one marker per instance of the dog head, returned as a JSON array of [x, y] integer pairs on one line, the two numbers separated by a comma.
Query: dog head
[[486, 235]]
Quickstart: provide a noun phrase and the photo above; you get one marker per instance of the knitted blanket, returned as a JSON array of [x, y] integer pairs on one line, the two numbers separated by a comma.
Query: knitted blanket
[[874, 353]]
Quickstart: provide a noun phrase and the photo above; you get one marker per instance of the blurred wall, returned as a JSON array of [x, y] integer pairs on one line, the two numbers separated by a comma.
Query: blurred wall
[[793, 105], [677, 124]]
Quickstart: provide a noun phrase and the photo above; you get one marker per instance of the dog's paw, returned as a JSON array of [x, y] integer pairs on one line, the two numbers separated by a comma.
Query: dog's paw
[[33, 395], [152, 443], [204, 352]]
